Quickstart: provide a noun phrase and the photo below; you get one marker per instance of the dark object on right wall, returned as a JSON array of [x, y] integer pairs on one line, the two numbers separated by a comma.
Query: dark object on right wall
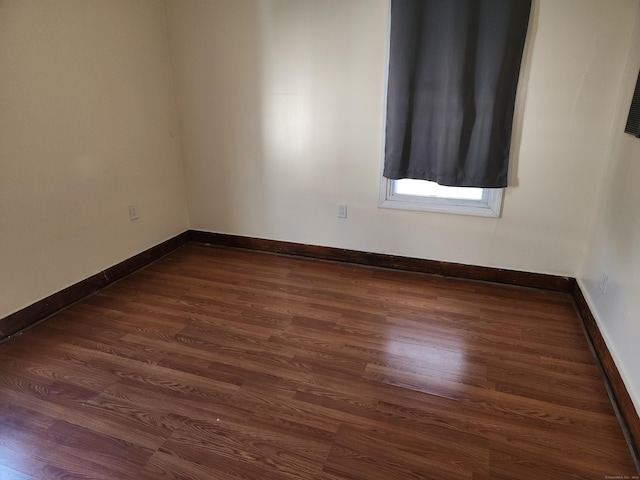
[[633, 120]]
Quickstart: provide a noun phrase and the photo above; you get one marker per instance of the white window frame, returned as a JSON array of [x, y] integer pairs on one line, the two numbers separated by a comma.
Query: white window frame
[[489, 205]]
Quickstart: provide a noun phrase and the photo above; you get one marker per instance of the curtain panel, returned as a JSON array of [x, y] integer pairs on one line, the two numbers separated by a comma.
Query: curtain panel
[[453, 75]]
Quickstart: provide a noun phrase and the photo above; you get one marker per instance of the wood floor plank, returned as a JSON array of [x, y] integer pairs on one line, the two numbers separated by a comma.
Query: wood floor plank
[[217, 363]]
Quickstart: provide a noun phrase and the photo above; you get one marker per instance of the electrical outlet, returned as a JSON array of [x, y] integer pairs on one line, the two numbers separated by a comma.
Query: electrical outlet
[[342, 210], [133, 212], [603, 283]]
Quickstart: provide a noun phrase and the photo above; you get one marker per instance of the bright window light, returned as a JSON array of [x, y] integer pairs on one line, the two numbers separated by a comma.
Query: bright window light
[[423, 188]]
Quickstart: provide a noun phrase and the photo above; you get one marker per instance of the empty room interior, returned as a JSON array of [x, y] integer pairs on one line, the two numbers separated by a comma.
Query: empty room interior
[[204, 273]]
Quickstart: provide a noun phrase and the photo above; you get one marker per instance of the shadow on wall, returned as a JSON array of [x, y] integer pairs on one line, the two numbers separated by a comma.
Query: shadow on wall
[[243, 74], [279, 105], [287, 105], [523, 83], [217, 64]]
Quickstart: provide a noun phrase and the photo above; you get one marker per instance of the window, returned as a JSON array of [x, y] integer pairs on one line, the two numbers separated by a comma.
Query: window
[[430, 197], [452, 81]]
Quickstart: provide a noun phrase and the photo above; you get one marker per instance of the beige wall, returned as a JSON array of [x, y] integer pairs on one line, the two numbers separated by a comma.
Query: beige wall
[[281, 106], [614, 248], [87, 126]]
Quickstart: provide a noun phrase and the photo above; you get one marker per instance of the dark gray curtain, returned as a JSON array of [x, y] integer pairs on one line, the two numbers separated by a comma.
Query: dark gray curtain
[[453, 73]]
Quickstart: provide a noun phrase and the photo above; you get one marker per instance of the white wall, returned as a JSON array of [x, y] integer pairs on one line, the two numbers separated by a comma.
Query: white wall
[[87, 126], [281, 106], [614, 248]]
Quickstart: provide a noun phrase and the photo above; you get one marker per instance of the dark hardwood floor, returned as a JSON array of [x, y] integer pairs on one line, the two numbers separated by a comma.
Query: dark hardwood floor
[[225, 364]]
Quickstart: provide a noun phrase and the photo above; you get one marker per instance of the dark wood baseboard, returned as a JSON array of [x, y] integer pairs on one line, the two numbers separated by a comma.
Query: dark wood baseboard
[[629, 419], [32, 314], [470, 272]]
